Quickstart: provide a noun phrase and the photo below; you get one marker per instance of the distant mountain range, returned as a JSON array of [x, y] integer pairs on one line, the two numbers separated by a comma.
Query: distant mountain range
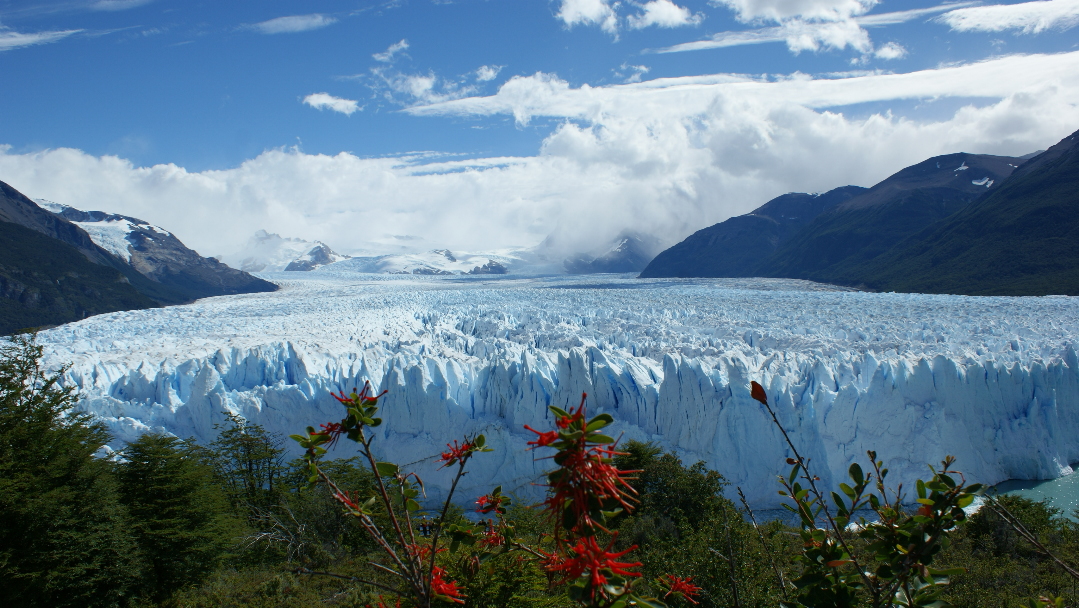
[[959, 223], [59, 264], [269, 252]]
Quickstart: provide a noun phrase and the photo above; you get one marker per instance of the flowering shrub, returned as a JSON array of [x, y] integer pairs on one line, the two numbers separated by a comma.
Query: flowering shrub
[[585, 491], [894, 568]]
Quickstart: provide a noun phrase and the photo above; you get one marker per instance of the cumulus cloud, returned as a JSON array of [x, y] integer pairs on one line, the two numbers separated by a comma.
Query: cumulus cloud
[[487, 73], [10, 39], [890, 50], [663, 13], [1027, 17], [325, 101], [293, 24], [673, 154], [388, 55], [589, 12]]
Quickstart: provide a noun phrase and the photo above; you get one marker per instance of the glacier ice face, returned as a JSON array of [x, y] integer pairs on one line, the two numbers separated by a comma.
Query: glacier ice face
[[992, 381]]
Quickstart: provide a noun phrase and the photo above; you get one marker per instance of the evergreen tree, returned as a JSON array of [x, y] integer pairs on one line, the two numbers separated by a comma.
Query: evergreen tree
[[250, 462], [181, 517], [64, 538]]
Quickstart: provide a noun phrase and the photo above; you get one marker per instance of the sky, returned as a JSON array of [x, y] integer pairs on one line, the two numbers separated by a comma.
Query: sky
[[384, 125]]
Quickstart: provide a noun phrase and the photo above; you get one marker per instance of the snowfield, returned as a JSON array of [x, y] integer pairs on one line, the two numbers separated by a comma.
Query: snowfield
[[993, 381]]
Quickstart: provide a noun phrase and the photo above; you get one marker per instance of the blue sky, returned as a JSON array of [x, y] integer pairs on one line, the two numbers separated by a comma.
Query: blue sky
[[493, 123]]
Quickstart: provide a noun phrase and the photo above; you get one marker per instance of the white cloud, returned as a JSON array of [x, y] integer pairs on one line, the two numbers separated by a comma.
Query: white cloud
[[783, 10], [890, 50], [118, 5], [409, 89], [631, 73], [1027, 17], [294, 23], [673, 154], [325, 101], [589, 12], [663, 13], [10, 39], [487, 73], [807, 26], [387, 55]]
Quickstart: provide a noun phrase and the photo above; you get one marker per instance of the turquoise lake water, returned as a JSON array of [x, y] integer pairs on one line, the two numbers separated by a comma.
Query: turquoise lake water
[[1062, 492]]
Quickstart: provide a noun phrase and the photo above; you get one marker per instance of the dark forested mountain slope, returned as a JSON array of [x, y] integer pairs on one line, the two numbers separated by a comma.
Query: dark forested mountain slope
[[864, 227], [736, 247], [44, 281], [52, 271], [1019, 239]]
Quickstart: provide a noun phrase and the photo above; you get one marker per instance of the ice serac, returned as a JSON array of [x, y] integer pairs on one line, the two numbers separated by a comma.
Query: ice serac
[[992, 381]]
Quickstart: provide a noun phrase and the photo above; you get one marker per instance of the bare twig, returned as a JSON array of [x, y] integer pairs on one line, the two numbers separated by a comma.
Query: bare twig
[[355, 579], [1027, 535], [803, 464], [764, 544]]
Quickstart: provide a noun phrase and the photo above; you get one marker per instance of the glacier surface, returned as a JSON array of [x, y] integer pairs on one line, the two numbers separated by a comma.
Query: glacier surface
[[993, 381]]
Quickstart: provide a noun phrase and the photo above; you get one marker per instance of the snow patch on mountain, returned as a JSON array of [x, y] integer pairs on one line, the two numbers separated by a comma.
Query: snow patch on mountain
[[993, 381], [109, 231]]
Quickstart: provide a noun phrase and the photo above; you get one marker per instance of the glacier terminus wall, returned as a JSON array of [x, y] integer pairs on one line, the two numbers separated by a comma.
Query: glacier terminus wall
[[992, 381]]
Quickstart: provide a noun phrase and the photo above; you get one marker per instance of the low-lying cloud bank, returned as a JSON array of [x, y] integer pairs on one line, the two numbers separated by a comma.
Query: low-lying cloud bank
[[666, 156]]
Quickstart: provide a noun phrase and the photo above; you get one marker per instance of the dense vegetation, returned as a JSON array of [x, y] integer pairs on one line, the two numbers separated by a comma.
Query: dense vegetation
[[233, 523]]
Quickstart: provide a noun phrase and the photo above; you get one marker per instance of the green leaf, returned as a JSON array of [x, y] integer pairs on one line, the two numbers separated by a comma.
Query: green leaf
[[412, 505], [386, 469], [965, 501], [597, 438], [479, 441], [856, 474]]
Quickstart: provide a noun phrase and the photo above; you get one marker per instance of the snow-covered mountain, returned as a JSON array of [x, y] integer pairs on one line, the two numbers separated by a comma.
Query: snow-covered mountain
[[629, 252], [446, 262], [993, 381], [270, 252], [158, 255]]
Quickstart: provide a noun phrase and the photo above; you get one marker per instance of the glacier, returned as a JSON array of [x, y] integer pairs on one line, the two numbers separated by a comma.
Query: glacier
[[993, 381]]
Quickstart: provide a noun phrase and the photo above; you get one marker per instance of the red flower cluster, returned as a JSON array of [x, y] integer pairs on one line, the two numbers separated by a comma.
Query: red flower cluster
[[491, 502], [586, 474], [592, 560], [349, 499], [492, 537], [332, 430], [363, 398], [443, 588], [681, 586], [457, 452], [544, 439]]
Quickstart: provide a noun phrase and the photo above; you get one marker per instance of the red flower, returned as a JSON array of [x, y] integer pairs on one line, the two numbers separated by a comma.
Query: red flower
[[591, 560], [492, 537], [332, 430], [349, 499], [443, 588], [457, 452], [544, 439], [681, 586]]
